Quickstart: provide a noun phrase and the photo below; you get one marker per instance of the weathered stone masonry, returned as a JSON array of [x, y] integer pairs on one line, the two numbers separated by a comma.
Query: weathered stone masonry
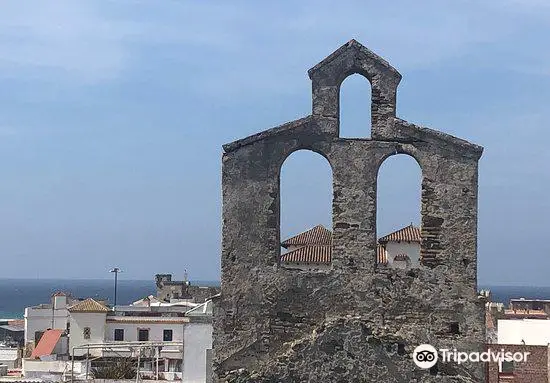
[[358, 321]]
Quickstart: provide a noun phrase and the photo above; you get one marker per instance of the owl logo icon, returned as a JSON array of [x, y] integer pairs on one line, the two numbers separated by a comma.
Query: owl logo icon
[[425, 356]]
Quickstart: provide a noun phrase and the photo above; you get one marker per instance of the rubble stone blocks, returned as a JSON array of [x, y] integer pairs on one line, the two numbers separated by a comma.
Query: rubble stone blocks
[[357, 321]]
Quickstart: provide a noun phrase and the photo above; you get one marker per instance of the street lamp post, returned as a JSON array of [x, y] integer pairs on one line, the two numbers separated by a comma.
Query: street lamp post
[[115, 270]]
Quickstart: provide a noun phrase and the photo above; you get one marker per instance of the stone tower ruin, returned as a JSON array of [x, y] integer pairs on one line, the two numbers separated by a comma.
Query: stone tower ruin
[[357, 321]]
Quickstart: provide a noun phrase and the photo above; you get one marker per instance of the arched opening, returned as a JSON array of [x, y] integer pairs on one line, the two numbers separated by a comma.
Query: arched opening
[[306, 211], [355, 107], [398, 212]]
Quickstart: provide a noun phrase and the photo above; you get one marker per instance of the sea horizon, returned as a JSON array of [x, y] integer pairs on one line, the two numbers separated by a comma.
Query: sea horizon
[[18, 293]]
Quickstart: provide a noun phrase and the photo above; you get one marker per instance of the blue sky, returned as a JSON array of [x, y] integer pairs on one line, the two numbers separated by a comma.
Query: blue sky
[[113, 113]]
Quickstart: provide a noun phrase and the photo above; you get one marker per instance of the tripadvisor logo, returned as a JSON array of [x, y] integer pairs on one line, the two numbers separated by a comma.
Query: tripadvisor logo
[[426, 356]]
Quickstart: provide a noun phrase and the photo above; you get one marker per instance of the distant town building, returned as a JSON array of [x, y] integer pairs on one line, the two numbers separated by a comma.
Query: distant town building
[[312, 249], [12, 332], [530, 304], [169, 290], [10, 357], [400, 249], [171, 339], [53, 315], [524, 314]]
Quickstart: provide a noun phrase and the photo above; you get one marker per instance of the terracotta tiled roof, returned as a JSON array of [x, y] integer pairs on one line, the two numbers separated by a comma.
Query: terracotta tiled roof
[[319, 235], [381, 255], [47, 343], [59, 294], [308, 254], [520, 313], [88, 306], [401, 257], [407, 234]]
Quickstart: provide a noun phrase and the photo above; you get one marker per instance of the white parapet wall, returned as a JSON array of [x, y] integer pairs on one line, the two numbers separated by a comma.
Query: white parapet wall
[[197, 339], [53, 369], [531, 332]]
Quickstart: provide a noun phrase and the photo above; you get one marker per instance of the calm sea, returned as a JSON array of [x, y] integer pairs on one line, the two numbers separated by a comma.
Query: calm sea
[[16, 294]]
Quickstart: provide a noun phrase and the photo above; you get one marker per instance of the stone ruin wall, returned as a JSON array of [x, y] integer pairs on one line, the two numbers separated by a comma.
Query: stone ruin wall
[[358, 321]]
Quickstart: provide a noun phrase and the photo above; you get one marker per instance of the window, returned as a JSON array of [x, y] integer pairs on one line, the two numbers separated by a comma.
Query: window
[[167, 335], [37, 336], [355, 107], [398, 206], [306, 207], [454, 328], [143, 335], [87, 333], [119, 334]]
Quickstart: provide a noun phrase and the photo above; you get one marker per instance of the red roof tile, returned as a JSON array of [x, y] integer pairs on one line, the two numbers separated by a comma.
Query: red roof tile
[[520, 313], [381, 255], [88, 306], [407, 234], [308, 254], [319, 235], [47, 343]]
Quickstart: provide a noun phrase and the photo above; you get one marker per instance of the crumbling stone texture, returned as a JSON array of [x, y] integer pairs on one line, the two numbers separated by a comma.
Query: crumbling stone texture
[[357, 321]]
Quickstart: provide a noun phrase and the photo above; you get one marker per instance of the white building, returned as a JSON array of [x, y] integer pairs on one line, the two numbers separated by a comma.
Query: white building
[[531, 332], [46, 316], [9, 357], [312, 249], [87, 326], [197, 354], [167, 337], [400, 249]]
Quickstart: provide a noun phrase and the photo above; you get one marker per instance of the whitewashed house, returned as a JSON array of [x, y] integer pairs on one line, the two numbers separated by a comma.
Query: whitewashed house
[[312, 249], [40, 318], [87, 326], [165, 337], [400, 249]]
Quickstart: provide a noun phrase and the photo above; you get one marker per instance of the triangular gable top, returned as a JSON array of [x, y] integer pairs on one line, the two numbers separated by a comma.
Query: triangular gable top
[[410, 233], [359, 52], [318, 236], [88, 306]]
